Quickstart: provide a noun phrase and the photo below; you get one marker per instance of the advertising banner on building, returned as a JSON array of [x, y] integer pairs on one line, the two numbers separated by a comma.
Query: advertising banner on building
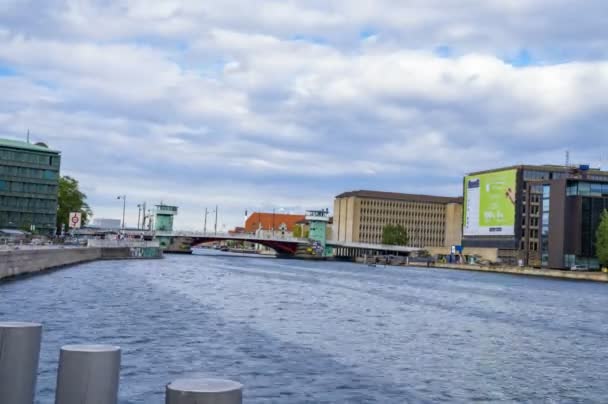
[[489, 204]]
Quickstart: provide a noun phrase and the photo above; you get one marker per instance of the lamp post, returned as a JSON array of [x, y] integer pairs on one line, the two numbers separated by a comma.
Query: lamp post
[[215, 227], [138, 216], [205, 225], [124, 206]]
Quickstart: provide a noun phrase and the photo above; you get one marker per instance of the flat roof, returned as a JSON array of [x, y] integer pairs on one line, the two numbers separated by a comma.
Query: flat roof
[[395, 196], [541, 167], [16, 144]]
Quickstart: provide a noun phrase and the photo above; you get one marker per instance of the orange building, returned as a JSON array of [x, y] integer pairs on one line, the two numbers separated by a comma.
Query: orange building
[[271, 221]]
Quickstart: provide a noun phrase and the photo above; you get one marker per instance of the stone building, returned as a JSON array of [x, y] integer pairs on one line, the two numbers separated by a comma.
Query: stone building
[[431, 221]]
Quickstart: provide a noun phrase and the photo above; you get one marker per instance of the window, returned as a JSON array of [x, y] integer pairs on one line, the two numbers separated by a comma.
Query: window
[[544, 243], [535, 175]]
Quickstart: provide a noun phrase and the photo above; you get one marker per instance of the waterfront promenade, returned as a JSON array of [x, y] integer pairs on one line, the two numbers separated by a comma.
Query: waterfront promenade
[[324, 332]]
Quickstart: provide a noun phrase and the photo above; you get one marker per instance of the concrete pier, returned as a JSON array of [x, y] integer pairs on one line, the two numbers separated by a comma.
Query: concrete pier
[[88, 374], [19, 354], [204, 391]]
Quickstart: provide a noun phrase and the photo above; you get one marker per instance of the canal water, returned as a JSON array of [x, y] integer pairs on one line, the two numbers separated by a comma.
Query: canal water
[[322, 332]]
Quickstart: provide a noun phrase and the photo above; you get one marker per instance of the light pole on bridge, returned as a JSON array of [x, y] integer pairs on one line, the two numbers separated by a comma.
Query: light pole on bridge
[[215, 227], [124, 206], [205, 225]]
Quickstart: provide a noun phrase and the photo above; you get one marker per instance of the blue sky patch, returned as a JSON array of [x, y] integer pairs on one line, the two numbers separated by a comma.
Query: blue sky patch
[[367, 33], [443, 51], [7, 71], [523, 58], [309, 38]]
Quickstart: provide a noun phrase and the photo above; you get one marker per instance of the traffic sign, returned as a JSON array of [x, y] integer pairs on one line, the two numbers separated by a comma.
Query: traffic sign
[[75, 220]]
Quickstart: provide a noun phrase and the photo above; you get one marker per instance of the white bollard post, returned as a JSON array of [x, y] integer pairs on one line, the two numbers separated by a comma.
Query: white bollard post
[[204, 391], [19, 355], [88, 374]]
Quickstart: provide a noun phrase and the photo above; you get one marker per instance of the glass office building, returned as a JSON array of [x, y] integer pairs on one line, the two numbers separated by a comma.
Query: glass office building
[[29, 179], [553, 219]]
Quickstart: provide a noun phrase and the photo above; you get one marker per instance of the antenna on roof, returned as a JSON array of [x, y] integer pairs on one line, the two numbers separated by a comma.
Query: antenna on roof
[[567, 158], [28, 136]]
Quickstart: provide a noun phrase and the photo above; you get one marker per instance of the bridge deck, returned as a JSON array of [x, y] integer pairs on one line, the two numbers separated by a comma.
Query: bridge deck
[[255, 238]]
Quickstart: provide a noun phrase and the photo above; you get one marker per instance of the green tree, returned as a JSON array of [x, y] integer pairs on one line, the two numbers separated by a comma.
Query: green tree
[[71, 199], [395, 235], [601, 243]]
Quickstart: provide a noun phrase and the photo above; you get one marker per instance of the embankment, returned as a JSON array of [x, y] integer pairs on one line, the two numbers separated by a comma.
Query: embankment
[[29, 261], [547, 273]]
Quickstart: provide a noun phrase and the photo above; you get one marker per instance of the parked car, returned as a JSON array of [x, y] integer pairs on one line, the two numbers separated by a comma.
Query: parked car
[[579, 268]]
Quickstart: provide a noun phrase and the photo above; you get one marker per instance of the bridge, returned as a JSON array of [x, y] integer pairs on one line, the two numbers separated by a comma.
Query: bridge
[[282, 245]]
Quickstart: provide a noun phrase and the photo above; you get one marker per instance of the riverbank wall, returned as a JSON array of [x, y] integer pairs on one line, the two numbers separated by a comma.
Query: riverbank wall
[[33, 260], [546, 273]]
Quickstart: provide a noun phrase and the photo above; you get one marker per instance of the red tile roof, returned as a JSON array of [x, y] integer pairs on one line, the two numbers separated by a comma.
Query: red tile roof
[[252, 224]]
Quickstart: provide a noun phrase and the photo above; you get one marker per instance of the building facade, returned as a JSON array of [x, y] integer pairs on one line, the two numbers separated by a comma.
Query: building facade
[[542, 216], [431, 221], [269, 224], [29, 181]]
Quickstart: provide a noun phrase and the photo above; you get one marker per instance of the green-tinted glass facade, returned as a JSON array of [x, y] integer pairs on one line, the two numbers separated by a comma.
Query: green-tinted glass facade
[[29, 179]]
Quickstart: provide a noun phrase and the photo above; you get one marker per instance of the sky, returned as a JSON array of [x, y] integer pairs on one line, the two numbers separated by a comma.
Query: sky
[[261, 105]]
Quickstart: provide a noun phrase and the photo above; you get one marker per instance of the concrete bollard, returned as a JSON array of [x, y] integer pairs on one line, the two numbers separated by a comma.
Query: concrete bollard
[[88, 374], [19, 355], [204, 391]]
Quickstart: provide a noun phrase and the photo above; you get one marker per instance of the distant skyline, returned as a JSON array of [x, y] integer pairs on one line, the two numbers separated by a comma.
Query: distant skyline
[[259, 105]]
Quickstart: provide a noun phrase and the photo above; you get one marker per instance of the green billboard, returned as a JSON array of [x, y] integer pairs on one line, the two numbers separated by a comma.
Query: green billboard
[[489, 204]]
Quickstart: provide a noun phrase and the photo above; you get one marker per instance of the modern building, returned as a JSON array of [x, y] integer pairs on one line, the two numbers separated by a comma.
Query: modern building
[[537, 215], [272, 224], [29, 180], [431, 221]]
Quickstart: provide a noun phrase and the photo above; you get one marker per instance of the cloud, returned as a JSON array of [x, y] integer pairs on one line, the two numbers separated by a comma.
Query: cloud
[[286, 104]]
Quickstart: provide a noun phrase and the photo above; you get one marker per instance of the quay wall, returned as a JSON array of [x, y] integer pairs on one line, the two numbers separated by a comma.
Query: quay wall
[[547, 273], [29, 261]]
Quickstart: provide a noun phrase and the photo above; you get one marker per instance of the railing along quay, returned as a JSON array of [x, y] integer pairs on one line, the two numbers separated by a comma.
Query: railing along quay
[[88, 374]]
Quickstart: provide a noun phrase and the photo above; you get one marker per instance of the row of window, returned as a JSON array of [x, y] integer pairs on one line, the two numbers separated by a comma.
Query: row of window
[[587, 189], [371, 221], [29, 157], [554, 175], [14, 202], [391, 205], [533, 246], [22, 220], [26, 172], [26, 187]]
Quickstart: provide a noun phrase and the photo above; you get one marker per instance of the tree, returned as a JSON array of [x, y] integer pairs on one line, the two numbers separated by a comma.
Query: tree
[[71, 199], [395, 235], [601, 243]]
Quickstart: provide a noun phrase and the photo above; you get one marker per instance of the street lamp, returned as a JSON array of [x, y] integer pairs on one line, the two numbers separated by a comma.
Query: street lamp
[[138, 216], [215, 226], [124, 206]]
